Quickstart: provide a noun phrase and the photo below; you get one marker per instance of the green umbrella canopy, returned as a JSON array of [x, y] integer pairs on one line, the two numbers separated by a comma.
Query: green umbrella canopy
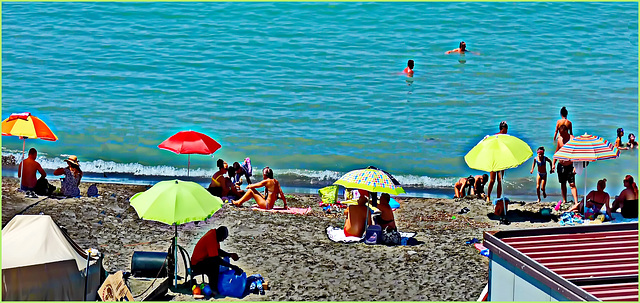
[[372, 180], [498, 152], [175, 202]]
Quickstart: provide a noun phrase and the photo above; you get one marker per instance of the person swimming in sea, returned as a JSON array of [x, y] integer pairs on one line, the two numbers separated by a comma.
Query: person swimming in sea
[[409, 69], [462, 48]]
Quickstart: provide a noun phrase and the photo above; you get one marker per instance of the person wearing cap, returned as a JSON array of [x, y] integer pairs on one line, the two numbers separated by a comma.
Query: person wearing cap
[[619, 143], [595, 200], [503, 127], [72, 176], [563, 121], [28, 172], [541, 180]]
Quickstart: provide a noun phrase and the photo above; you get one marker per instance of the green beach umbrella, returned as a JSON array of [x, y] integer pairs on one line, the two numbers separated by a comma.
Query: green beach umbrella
[[372, 180], [498, 152], [175, 202]]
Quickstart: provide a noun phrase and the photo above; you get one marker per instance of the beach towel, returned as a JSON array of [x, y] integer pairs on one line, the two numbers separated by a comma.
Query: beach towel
[[618, 218], [336, 234], [290, 210]]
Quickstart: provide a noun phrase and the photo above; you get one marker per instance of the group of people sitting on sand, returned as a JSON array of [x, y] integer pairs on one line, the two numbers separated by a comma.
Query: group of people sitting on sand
[[627, 201], [228, 187], [34, 186], [354, 225], [472, 185]]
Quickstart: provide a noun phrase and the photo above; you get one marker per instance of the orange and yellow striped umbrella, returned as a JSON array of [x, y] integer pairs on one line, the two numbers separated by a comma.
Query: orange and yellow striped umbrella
[[25, 125]]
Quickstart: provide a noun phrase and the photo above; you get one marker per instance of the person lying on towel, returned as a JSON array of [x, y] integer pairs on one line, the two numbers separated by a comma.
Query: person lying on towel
[[385, 219], [207, 256], [356, 214], [273, 191]]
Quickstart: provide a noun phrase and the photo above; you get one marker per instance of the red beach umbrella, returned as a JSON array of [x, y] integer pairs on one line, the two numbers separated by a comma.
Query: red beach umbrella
[[190, 142]]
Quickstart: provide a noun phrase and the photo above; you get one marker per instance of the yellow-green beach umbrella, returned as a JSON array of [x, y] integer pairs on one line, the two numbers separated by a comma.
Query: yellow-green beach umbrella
[[372, 180], [175, 202], [498, 152]]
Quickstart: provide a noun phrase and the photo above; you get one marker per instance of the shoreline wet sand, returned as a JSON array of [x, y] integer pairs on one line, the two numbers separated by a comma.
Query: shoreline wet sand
[[292, 252]]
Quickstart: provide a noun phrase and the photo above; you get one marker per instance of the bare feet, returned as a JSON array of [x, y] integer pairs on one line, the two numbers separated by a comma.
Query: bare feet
[[538, 202], [544, 194]]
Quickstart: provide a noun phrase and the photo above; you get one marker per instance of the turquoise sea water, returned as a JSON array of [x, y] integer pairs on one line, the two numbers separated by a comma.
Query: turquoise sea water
[[313, 89]]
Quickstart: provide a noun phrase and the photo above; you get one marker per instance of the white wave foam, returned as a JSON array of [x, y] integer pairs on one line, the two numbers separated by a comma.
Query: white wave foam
[[136, 169]]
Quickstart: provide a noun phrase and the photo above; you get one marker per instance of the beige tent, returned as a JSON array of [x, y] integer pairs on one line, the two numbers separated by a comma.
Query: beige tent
[[40, 262]]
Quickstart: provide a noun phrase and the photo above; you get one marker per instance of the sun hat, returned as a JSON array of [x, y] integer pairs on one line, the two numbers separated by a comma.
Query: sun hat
[[72, 160]]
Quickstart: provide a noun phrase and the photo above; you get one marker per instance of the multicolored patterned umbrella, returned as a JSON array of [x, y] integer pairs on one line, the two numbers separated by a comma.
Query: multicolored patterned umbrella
[[372, 180], [586, 148]]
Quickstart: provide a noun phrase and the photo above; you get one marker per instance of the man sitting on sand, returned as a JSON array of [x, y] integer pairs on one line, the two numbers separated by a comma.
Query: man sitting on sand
[[478, 186], [208, 256], [273, 191], [356, 216], [385, 219], [462, 184], [28, 172]]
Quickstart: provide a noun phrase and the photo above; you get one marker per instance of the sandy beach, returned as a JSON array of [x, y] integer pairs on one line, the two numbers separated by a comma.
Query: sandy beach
[[292, 252]]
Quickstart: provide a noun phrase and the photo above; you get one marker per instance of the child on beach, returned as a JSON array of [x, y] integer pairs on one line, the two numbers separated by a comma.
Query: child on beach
[[478, 187], [462, 185], [541, 180]]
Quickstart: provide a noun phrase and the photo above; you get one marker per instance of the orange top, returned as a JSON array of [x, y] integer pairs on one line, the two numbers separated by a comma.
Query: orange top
[[206, 247], [407, 70]]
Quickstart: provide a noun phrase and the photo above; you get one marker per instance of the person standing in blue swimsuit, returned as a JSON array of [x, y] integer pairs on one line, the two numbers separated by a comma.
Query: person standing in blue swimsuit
[[541, 180]]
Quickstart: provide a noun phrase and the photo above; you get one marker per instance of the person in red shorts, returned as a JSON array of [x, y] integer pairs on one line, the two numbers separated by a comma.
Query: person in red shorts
[[208, 256]]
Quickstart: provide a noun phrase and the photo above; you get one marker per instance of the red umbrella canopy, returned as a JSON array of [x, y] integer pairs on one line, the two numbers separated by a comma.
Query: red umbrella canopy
[[190, 142]]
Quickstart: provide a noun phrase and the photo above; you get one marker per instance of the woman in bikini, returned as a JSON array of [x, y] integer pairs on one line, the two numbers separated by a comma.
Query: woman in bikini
[[595, 199], [541, 180], [273, 191], [220, 185]]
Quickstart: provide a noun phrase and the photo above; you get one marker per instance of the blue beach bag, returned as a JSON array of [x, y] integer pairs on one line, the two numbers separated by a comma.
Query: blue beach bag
[[230, 285]]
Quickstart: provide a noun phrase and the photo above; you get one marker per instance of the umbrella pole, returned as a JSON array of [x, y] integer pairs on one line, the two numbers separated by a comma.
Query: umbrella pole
[[584, 198], [24, 141], [175, 257], [188, 163]]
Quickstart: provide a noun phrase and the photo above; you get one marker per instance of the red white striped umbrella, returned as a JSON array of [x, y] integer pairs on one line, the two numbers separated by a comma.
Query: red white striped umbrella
[[586, 148]]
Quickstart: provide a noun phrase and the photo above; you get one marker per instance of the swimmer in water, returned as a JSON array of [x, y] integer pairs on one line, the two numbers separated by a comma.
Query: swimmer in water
[[461, 49], [409, 69]]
